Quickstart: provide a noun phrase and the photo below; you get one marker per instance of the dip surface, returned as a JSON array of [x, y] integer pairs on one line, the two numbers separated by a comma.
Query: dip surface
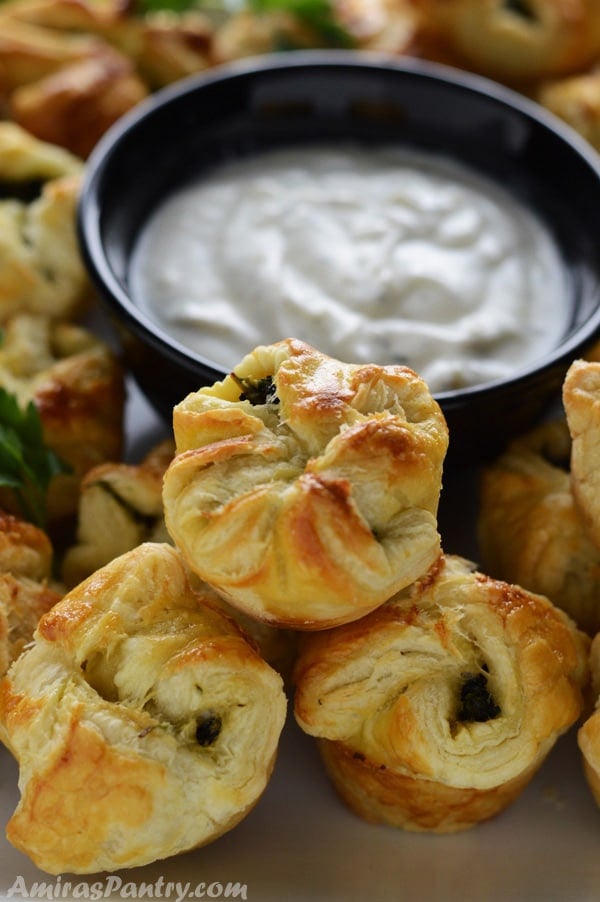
[[370, 255]]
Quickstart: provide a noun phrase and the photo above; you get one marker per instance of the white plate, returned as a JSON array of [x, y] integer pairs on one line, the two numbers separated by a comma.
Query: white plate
[[300, 844]]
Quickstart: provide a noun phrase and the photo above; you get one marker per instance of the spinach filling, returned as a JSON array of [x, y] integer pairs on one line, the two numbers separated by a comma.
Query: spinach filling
[[208, 728], [476, 701], [147, 521], [25, 191], [257, 391], [521, 8]]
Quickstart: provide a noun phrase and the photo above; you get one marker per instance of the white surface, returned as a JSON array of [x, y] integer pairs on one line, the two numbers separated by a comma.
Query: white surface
[[300, 844]]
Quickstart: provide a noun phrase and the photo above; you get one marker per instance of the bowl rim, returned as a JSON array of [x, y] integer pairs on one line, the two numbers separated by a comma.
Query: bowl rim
[[89, 217]]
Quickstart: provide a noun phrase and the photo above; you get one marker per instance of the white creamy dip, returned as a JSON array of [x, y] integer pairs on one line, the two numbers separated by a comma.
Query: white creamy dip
[[370, 255]]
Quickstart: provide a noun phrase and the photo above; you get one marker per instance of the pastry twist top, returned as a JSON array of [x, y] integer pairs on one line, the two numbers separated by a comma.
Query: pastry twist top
[[460, 679], [305, 489]]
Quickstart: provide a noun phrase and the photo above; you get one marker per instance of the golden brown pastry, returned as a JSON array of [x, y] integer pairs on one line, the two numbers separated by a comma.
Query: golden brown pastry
[[96, 17], [163, 45], [41, 270], [74, 106], [305, 489], [581, 401], [530, 529], [391, 26], [588, 736], [518, 40], [28, 52], [577, 101], [120, 507], [167, 46], [433, 712], [26, 587], [77, 385], [144, 722]]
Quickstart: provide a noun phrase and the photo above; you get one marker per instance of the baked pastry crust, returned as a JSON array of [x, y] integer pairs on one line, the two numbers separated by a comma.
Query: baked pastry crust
[[588, 736], [387, 26], [41, 270], [74, 106], [26, 587], [312, 506], [120, 507], [143, 721], [517, 40], [581, 401], [77, 384], [434, 711], [532, 527], [576, 100]]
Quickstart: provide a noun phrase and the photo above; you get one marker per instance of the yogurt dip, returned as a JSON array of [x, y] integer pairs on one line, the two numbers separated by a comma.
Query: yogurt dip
[[371, 255]]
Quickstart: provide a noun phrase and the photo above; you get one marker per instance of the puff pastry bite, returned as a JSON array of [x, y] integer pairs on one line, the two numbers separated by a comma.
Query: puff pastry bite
[[433, 712], [581, 401], [518, 40], [530, 530], [577, 101], [41, 270], [74, 106], [77, 385], [26, 587], [120, 507], [144, 722], [305, 489], [390, 26], [588, 736]]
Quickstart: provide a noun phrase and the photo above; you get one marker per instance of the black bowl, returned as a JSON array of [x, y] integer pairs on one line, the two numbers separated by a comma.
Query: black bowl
[[337, 96]]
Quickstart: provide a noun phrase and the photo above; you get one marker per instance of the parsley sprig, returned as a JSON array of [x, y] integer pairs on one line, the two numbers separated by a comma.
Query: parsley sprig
[[319, 15], [27, 466]]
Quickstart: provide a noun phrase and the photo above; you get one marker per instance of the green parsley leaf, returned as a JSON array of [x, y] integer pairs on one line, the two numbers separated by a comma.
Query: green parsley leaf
[[27, 466], [317, 14]]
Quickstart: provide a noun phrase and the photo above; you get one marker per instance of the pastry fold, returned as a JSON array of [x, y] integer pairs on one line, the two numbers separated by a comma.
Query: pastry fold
[[581, 400], [433, 712], [588, 736], [143, 720], [518, 41], [27, 589], [305, 489], [539, 516], [41, 270]]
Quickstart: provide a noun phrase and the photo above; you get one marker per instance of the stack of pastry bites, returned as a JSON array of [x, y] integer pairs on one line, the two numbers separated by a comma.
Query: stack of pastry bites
[[306, 491], [301, 496]]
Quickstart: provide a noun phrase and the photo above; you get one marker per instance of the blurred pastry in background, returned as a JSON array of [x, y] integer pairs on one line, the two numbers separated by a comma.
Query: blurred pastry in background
[[588, 736], [581, 401], [77, 386], [577, 101], [387, 26], [27, 588], [120, 507], [515, 41], [41, 270], [538, 524], [75, 106]]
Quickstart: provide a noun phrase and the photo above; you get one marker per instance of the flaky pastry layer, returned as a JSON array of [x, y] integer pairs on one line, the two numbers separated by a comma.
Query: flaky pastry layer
[[143, 720], [434, 711], [305, 489]]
